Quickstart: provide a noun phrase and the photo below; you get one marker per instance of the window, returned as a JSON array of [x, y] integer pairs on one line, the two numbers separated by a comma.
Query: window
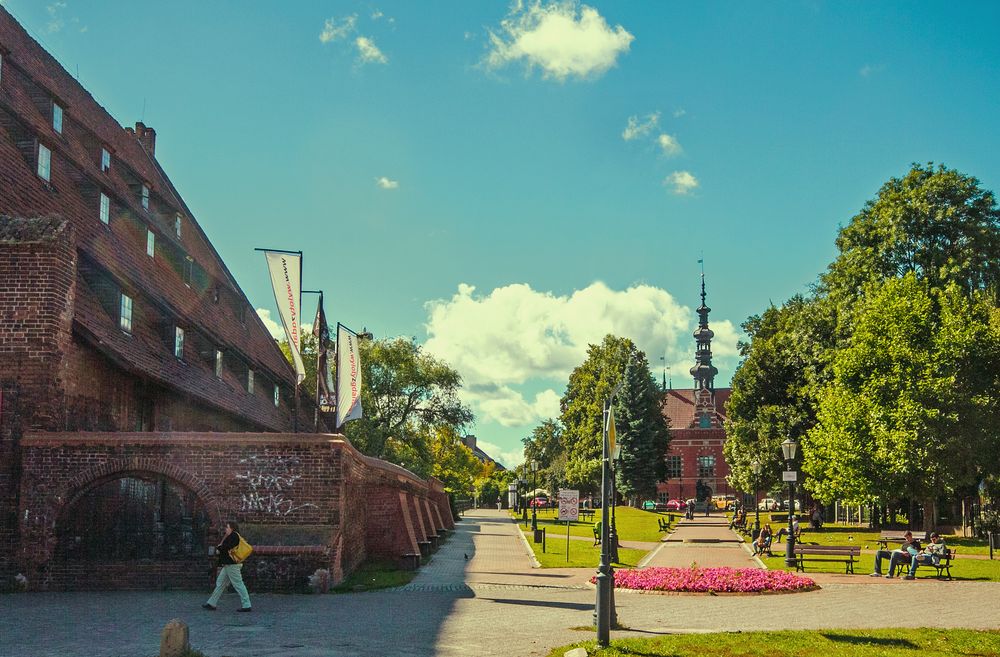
[[57, 117], [277, 395], [145, 197], [706, 466], [218, 363], [105, 160], [250, 381], [105, 208], [675, 467], [177, 225], [150, 243], [178, 342], [705, 421], [188, 270], [125, 313], [661, 497], [44, 162]]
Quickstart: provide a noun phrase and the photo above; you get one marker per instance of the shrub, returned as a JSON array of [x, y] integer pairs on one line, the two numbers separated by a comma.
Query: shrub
[[714, 580]]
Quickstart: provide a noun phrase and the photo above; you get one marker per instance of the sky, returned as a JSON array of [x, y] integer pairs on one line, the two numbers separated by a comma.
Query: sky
[[507, 183]]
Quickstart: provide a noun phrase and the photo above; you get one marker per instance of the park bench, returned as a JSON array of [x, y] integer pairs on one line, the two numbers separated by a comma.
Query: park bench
[[845, 553], [664, 524], [587, 515], [893, 536], [942, 567], [597, 534]]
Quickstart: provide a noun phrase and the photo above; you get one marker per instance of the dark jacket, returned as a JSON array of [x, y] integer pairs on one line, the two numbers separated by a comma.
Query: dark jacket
[[223, 548]]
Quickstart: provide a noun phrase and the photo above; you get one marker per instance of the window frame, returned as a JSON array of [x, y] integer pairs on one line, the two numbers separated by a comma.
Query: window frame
[[178, 343], [249, 381], [177, 225], [277, 396], [105, 209], [218, 363], [42, 148], [150, 243], [125, 303], [57, 117], [144, 196], [105, 159]]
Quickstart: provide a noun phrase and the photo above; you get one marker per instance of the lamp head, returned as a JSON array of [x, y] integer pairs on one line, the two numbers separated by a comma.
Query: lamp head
[[755, 466], [788, 449]]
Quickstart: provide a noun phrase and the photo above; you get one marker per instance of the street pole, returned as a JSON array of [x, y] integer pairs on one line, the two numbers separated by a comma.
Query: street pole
[[534, 504], [756, 504], [790, 549], [613, 535], [605, 577]]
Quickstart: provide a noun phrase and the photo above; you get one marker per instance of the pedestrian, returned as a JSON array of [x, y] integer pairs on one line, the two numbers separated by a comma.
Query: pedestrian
[[230, 572], [499, 504]]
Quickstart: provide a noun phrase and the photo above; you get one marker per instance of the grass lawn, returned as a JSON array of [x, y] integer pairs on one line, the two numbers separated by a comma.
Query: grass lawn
[[868, 538], [828, 643], [961, 569], [582, 554], [632, 524], [373, 576]]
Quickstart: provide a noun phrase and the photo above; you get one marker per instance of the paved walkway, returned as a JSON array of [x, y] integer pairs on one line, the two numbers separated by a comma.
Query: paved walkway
[[492, 603], [706, 541]]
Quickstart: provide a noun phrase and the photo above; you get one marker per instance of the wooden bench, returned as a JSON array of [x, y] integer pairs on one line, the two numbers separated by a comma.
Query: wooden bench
[[664, 524], [597, 535], [587, 515], [846, 553], [943, 567], [894, 536]]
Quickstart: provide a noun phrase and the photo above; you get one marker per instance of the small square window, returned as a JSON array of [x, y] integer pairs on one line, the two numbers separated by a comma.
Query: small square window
[[57, 117], [125, 315], [178, 342], [105, 208], [277, 396], [145, 197], [44, 162], [150, 243], [177, 225], [105, 160], [250, 381], [218, 363]]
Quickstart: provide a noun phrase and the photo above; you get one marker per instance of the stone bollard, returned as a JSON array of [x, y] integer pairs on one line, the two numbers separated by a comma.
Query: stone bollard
[[576, 652], [175, 640]]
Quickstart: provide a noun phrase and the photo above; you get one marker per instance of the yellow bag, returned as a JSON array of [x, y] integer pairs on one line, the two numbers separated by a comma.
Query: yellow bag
[[242, 550]]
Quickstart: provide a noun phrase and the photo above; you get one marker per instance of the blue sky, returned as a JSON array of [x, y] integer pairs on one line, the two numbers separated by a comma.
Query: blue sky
[[506, 183]]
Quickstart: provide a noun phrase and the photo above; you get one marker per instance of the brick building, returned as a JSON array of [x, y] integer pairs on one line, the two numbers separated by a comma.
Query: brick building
[[697, 425], [118, 317]]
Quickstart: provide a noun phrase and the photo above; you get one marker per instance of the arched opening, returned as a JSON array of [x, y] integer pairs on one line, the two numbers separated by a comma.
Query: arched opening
[[134, 517]]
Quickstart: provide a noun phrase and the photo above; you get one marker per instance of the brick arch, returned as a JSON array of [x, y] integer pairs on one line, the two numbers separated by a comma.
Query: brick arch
[[83, 481]]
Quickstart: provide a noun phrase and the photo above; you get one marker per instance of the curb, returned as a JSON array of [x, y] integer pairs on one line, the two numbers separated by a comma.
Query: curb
[[527, 548]]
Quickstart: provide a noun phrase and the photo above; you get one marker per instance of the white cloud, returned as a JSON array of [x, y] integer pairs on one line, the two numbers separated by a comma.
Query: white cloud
[[683, 182], [386, 183], [870, 69], [56, 20], [634, 129], [668, 144], [563, 38], [516, 337], [275, 328], [368, 52], [510, 459], [377, 14], [334, 29], [679, 112]]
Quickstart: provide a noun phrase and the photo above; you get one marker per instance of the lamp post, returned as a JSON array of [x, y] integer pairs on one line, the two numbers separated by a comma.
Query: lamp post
[[755, 466], [534, 506], [604, 609], [524, 508], [788, 449]]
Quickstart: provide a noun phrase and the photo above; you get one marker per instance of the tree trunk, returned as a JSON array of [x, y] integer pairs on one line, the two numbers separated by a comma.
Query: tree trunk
[[930, 515]]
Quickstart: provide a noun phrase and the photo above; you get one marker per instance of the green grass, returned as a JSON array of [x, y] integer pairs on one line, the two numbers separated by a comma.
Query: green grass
[[868, 538], [632, 524], [828, 643], [582, 554], [374, 576], [961, 569]]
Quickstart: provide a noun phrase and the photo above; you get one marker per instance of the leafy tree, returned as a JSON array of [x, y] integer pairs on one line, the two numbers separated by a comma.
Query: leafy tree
[[642, 431], [309, 356], [453, 463], [544, 443], [405, 392]]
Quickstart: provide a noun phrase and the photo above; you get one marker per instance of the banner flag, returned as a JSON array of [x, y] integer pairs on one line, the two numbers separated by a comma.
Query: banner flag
[[348, 376], [611, 434], [324, 364], [286, 275]]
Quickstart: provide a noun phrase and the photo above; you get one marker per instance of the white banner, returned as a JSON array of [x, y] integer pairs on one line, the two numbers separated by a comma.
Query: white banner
[[348, 376], [569, 505], [285, 269]]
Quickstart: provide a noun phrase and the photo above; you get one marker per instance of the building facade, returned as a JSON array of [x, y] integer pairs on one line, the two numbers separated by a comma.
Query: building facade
[[696, 466]]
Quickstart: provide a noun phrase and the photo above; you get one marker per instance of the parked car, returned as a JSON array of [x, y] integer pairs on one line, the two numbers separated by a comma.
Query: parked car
[[540, 502], [650, 505], [768, 504], [723, 502], [676, 505], [784, 505]]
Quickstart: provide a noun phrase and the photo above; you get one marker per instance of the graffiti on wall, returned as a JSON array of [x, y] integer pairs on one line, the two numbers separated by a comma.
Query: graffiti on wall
[[268, 480]]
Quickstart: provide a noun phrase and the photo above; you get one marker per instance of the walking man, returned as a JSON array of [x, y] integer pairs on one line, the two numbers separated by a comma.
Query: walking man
[[230, 572]]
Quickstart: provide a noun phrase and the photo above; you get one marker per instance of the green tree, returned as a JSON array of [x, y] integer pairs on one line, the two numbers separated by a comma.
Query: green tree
[[642, 431], [309, 355], [405, 393], [453, 463]]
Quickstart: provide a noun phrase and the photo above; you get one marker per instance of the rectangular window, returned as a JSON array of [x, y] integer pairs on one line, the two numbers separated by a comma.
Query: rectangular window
[[105, 160], [178, 342], [661, 497], [177, 225], [125, 313], [277, 396], [145, 197], [706, 466], [150, 243], [250, 381], [188, 270], [675, 468], [44, 162], [57, 117], [218, 363], [105, 208]]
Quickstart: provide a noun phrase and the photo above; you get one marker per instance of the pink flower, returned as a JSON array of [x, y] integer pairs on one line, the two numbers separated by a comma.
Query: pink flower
[[717, 580]]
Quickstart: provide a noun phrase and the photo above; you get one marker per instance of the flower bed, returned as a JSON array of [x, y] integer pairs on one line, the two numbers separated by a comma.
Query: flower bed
[[711, 580]]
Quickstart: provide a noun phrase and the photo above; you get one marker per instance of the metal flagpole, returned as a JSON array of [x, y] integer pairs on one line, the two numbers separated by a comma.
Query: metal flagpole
[[319, 340]]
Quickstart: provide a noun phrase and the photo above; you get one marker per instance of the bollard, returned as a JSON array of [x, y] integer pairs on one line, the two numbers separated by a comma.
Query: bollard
[[175, 639]]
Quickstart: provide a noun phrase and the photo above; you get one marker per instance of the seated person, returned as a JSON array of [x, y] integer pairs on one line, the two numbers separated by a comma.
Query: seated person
[[763, 541], [930, 555], [796, 529], [907, 550]]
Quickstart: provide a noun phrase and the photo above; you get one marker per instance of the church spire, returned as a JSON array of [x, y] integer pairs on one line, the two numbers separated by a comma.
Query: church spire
[[703, 371]]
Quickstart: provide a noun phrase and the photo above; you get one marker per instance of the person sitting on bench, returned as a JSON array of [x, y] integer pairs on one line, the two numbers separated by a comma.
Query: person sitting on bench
[[931, 555], [796, 530], [907, 550], [763, 542]]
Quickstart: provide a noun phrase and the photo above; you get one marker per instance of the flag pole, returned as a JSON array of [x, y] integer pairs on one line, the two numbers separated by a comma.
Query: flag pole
[[336, 384], [319, 339]]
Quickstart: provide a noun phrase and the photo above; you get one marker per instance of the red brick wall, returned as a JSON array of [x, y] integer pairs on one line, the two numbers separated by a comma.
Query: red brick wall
[[690, 444], [319, 483]]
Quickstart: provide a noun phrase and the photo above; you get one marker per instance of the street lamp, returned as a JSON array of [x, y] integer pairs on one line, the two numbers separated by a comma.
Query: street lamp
[[755, 466], [604, 610], [534, 506], [524, 508], [788, 449]]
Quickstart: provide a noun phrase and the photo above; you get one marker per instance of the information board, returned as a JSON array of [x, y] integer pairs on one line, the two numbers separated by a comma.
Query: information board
[[569, 505]]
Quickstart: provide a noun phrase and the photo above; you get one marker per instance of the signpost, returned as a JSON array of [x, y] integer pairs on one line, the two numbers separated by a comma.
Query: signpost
[[569, 510]]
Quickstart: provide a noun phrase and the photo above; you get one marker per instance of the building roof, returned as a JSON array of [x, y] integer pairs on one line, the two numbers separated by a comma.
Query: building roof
[[31, 80], [679, 406]]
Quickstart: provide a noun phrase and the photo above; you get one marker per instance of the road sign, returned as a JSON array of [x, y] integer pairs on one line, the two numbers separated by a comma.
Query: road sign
[[789, 475], [569, 505]]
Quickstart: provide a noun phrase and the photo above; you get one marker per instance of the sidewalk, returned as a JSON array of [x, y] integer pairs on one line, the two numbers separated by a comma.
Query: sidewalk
[[706, 541]]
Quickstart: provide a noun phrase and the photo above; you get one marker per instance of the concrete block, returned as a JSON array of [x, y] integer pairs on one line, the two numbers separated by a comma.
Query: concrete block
[[175, 639]]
